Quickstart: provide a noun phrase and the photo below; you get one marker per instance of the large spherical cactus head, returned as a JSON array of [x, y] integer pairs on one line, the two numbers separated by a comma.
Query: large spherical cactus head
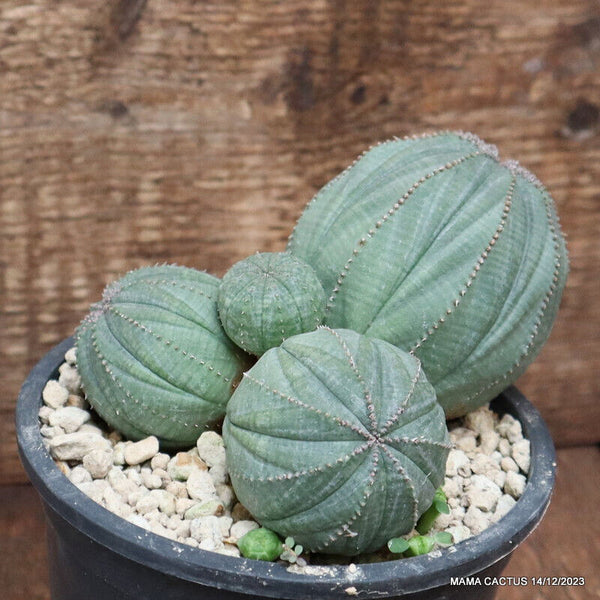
[[153, 357], [337, 440], [269, 297], [436, 246]]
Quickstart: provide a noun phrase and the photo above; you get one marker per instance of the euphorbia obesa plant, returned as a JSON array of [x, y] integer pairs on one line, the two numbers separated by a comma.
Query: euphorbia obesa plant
[[153, 356], [337, 440], [269, 297], [434, 245]]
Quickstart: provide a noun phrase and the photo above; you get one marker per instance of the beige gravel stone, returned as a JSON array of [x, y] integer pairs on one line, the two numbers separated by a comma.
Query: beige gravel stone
[[200, 485], [70, 418], [141, 451], [182, 464], [54, 394], [515, 484], [521, 453], [74, 446], [211, 449], [241, 528], [98, 463]]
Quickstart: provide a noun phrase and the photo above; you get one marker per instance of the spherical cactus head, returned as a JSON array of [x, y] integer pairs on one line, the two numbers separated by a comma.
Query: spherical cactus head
[[269, 297], [436, 246], [337, 440], [153, 357]]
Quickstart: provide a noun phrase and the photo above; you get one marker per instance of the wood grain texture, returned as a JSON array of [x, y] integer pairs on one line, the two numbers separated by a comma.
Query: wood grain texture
[[552, 550], [195, 132]]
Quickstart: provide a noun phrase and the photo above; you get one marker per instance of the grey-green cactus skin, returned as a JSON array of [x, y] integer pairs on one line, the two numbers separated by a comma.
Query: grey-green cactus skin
[[153, 357], [434, 245], [269, 297], [337, 440]]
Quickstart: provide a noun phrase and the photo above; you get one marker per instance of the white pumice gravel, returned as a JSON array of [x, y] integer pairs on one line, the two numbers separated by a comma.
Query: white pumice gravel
[[187, 497]]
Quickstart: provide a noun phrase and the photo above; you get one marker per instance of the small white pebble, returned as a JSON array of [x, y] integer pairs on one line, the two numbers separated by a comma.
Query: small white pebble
[[54, 394], [182, 464], [504, 447], [207, 531], [489, 441], [458, 463], [508, 464], [229, 550], [166, 501], [190, 541], [174, 521], [241, 528], [183, 529], [483, 493], [49, 432], [71, 356], [226, 495], [134, 497], [510, 428], [163, 475], [147, 503], [453, 486], [182, 505], [91, 428], [205, 508], [141, 451], [138, 520], [115, 504], [150, 480], [120, 483], [225, 524], [211, 449], [480, 420], [515, 484], [160, 461], [79, 474], [487, 466], [218, 473], [476, 520], [200, 485], [98, 462], [119, 454], [505, 503], [70, 418], [177, 488], [44, 413], [134, 476], [74, 446], [459, 533], [521, 454], [69, 378], [464, 439]]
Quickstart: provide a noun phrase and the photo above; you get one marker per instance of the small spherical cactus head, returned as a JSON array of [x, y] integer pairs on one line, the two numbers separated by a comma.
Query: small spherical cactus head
[[153, 357], [337, 440], [269, 297], [438, 247]]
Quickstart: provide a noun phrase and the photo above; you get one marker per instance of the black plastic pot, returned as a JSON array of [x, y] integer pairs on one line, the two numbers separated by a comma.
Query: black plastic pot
[[94, 554]]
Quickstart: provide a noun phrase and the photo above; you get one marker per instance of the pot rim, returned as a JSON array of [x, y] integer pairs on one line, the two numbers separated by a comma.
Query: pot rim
[[272, 579]]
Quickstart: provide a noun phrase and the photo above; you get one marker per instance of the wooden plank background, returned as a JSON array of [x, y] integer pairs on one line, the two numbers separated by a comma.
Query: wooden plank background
[[142, 131]]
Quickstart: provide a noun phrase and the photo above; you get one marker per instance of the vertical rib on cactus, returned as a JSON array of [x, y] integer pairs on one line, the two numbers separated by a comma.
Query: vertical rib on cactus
[[337, 440], [434, 245], [153, 357]]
